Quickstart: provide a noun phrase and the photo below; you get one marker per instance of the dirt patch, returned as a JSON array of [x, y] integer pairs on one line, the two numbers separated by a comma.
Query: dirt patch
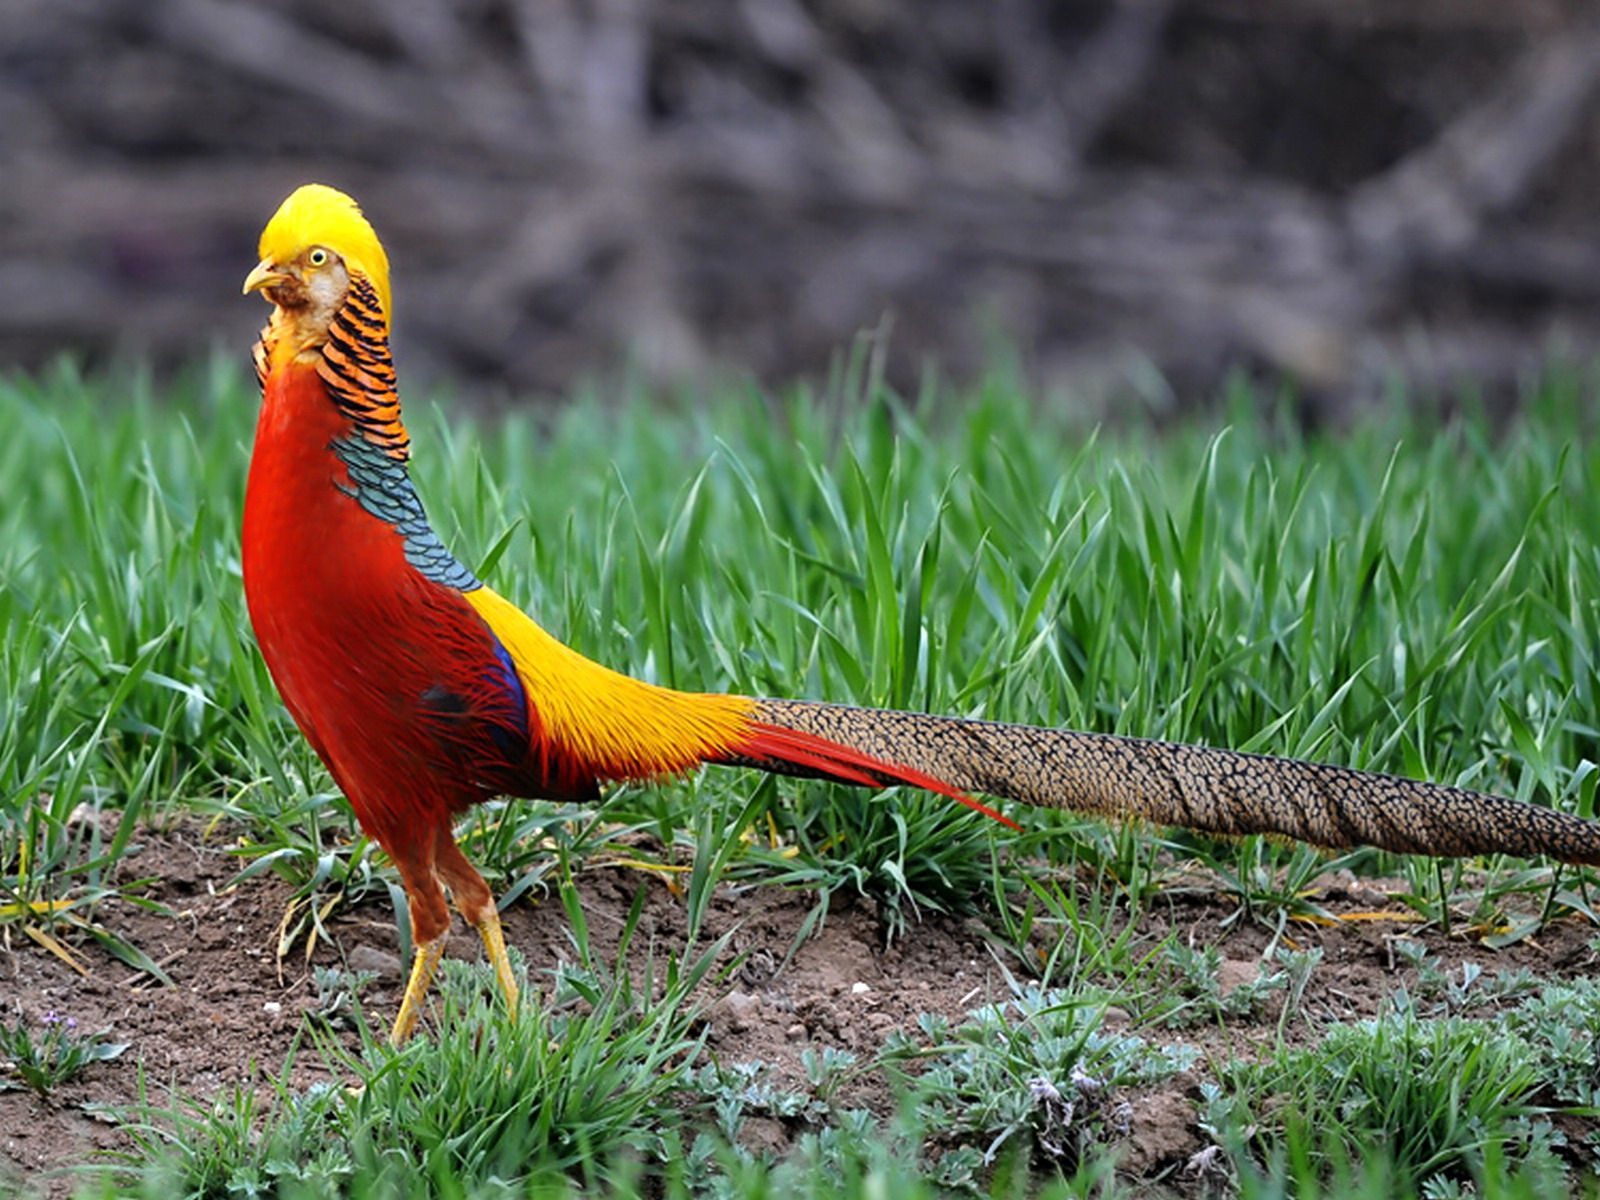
[[234, 1009], [228, 1019]]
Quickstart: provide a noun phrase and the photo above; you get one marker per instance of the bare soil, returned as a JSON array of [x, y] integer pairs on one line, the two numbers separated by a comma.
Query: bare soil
[[234, 1008]]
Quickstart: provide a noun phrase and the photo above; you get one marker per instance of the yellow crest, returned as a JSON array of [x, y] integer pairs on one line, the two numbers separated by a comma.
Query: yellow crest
[[318, 215]]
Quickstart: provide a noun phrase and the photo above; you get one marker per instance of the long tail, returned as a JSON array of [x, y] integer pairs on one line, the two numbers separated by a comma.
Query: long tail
[[1213, 791]]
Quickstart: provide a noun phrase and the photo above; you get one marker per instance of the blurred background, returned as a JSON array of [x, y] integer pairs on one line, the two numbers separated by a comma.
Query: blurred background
[[1120, 198]]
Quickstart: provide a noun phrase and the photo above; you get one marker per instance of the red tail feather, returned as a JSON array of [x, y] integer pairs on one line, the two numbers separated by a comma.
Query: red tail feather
[[832, 760]]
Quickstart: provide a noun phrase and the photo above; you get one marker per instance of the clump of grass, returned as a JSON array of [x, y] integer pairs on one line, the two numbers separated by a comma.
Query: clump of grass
[[57, 858], [245, 1141], [307, 841], [579, 1081], [911, 852], [1439, 1096], [1309, 1167]]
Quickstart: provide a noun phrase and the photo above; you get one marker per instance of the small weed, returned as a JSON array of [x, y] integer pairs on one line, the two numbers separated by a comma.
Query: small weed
[[45, 1056], [743, 1090], [1037, 1066], [338, 994], [1193, 993], [826, 1069], [1470, 988], [1563, 1023]]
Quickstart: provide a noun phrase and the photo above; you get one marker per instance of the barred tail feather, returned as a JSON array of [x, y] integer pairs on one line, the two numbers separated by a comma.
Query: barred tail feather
[[1211, 791]]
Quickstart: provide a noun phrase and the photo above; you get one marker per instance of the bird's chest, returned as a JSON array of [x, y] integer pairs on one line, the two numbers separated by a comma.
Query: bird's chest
[[328, 584], [327, 591]]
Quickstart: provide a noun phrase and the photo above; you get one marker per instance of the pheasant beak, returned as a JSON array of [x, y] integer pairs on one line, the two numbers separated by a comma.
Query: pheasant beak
[[265, 275]]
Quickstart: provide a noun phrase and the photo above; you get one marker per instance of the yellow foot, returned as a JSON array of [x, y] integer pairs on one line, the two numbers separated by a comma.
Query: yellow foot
[[494, 942], [423, 965]]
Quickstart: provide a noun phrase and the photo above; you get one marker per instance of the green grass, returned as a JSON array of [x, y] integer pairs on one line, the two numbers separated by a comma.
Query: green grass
[[1438, 1092], [1408, 596]]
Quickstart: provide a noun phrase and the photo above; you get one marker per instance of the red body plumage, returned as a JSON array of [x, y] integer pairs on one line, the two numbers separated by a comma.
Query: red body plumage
[[397, 679], [358, 640]]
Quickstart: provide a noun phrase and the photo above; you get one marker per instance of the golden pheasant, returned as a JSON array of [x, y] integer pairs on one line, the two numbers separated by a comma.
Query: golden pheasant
[[425, 692]]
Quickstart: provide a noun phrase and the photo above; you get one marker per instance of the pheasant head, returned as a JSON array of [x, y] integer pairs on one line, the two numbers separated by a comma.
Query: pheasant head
[[316, 246]]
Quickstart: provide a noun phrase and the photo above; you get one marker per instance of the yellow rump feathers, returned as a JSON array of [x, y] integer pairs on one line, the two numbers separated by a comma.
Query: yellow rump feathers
[[318, 215], [616, 726]]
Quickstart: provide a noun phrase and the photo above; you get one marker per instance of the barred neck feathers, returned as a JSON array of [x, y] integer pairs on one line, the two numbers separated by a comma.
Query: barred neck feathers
[[359, 373], [353, 361]]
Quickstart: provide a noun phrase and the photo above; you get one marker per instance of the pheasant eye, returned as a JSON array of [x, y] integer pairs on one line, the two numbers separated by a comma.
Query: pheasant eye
[[318, 257]]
